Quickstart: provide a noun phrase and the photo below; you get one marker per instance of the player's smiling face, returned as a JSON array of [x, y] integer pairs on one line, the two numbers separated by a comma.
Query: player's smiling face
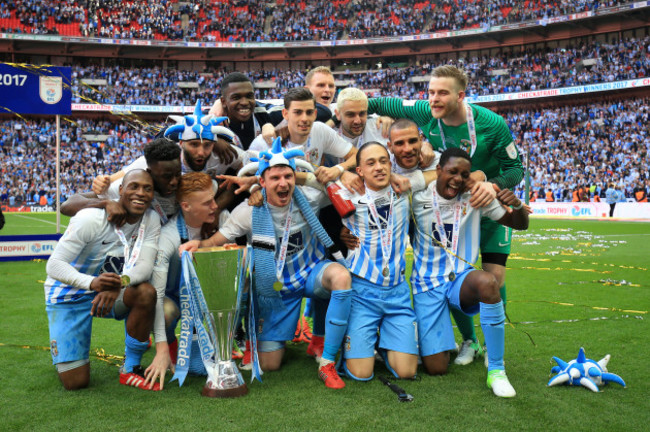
[[300, 117], [279, 182], [136, 194], [374, 166], [199, 207], [353, 116], [166, 176], [452, 177], [445, 97], [196, 153], [239, 101], [322, 87], [405, 144]]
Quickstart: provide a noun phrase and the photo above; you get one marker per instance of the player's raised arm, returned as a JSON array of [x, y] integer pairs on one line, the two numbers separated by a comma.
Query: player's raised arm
[[116, 213], [418, 111], [517, 218]]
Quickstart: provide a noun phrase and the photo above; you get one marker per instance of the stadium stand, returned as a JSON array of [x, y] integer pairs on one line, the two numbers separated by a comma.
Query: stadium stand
[[280, 20], [529, 69]]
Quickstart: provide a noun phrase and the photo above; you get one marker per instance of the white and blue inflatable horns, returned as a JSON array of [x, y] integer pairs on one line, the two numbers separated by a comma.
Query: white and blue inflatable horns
[[274, 156], [199, 126], [583, 372]]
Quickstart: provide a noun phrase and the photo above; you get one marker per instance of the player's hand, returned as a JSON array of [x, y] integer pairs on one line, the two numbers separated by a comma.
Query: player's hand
[[399, 183], [217, 109], [352, 182], [384, 123], [106, 282], [268, 133], [190, 246], [325, 175], [475, 177], [282, 130], [158, 367], [243, 183], [508, 198], [349, 240], [103, 303], [224, 151], [256, 199], [483, 194], [427, 155], [116, 213], [101, 183]]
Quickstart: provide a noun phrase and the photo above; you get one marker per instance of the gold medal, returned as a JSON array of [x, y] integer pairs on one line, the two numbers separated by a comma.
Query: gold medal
[[277, 286], [126, 280], [452, 276], [385, 272]]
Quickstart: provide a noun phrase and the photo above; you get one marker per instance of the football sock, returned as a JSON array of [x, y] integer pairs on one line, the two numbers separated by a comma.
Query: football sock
[[319, 307], [196, 361], [502, 291], [307, 311], [336, 322], [493, 325], [134, 349], [465, 324]]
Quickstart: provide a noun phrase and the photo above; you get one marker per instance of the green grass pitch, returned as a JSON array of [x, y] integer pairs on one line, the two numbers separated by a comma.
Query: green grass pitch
[[570, 285]]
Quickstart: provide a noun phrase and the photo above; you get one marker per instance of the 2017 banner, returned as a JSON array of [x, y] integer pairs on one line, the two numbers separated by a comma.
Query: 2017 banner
[[31, 89]]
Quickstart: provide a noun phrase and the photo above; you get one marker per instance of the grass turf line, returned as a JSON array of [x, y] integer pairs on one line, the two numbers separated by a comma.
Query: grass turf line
[[294, 398]]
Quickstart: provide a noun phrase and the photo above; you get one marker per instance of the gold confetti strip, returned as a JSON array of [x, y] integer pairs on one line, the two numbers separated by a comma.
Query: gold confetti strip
[[578, 305], [99, 353], [564, 269], [40, 281], [114, 360], [522, 258]]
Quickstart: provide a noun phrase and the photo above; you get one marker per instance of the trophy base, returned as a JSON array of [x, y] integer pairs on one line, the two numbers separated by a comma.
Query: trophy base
[[208, 391]]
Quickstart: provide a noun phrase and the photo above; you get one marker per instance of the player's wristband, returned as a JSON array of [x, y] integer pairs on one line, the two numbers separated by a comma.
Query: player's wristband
[[340, 169], [519, 207]]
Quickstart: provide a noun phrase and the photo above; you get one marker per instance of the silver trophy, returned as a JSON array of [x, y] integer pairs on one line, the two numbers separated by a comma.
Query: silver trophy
[[219, 270]]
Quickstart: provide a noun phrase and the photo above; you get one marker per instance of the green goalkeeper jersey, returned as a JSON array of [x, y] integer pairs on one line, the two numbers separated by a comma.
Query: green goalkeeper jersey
[[496, 153]]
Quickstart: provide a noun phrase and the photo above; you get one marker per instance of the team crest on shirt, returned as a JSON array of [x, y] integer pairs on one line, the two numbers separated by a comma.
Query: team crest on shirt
[[260, 325], [54, 348], [348, 344], [464, 209], [466, 145], [512, 151]]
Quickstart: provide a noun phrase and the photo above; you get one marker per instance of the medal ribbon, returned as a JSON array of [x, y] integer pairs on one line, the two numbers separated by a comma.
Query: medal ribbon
[[440, 227], [130, 259], [387, 238], [471, 129], [158, 208], [282, 253]]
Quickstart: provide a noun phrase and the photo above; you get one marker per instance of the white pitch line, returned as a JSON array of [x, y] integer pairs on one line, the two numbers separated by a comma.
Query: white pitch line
[[39, 220]]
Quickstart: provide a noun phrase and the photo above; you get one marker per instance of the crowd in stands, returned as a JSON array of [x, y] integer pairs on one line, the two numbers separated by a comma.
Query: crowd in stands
[[279, 20], [531, 69], [586, 146], [581, 146], [28, 156]]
